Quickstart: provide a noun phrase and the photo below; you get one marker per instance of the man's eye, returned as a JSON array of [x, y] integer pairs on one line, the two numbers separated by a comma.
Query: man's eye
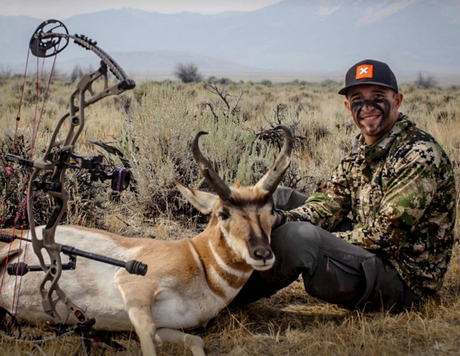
[[379, 100]]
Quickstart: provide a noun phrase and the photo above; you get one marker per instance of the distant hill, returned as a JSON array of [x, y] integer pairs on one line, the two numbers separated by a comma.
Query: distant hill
[[161, 62], [290, 36]]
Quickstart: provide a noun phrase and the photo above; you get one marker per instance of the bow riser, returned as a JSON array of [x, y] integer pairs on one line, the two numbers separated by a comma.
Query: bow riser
[[78, 103]]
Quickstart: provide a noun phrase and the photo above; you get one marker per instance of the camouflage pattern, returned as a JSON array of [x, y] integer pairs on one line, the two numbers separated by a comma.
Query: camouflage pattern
[[400, 194]]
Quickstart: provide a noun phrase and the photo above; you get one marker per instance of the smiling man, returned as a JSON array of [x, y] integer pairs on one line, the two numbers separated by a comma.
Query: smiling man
[[372, 98], [379, 233]]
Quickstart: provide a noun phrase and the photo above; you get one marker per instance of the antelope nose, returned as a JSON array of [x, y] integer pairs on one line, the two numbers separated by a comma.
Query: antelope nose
[[262, 253]]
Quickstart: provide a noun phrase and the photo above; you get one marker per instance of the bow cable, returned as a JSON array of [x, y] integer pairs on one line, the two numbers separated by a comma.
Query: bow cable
[[26, 198], [18, 115], [23, 197]]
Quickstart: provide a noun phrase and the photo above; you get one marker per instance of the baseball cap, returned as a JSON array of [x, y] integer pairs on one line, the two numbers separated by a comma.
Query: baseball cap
[[370, 71]]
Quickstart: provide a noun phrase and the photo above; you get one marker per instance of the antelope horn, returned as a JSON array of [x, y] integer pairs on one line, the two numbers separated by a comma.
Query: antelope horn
[[216, 183], [269, 182]]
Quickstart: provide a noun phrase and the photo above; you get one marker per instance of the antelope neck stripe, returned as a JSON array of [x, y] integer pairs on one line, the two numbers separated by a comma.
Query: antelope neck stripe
[[226, 290], [197, 258], [230, 280], [228, 269], [210, 280]]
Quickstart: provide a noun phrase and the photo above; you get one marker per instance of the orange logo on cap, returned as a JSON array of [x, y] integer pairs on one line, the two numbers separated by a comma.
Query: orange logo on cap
[[365, 71]]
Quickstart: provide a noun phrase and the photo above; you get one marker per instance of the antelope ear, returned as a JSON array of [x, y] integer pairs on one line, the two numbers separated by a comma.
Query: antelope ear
[[203, 201]]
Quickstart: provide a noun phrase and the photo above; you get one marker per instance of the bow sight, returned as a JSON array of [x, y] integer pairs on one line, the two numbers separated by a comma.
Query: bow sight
[[120, 177]]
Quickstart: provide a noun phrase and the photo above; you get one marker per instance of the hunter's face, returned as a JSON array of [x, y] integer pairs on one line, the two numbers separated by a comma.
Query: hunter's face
[[374, 109]]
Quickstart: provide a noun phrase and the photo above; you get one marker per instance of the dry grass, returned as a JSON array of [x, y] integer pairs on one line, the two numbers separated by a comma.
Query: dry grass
[[156, 143], [292, 323]]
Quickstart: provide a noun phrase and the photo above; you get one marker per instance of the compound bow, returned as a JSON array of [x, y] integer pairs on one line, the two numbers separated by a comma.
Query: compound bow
[[48, 174]]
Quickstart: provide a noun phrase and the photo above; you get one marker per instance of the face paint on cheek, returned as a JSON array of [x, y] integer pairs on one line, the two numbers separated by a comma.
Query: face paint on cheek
[[386, 107], [356, 106]]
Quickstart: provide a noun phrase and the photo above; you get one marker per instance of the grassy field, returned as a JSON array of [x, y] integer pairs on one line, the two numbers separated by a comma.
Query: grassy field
[[153, 127]]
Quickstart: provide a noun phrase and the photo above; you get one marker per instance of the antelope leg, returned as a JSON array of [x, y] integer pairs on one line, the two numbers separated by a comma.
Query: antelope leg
[[192, 342], [139, 307], [141, 318]]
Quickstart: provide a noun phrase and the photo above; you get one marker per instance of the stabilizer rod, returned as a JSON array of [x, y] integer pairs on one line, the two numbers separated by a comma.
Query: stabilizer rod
[[132, 266]]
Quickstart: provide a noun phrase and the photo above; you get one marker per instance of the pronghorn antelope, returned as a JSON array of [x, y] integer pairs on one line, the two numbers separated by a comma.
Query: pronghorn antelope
[[188, 281]]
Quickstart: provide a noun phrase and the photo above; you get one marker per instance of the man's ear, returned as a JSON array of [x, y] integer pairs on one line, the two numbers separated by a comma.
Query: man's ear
[[347, 106], [203, 201], [398, 100]]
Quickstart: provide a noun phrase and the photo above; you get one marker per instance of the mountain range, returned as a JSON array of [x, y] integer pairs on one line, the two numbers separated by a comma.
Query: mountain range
[[292, 36]]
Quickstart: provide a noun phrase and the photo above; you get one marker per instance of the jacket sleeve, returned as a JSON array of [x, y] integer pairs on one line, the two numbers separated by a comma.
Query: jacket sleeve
[[410, 190], [327, 206]]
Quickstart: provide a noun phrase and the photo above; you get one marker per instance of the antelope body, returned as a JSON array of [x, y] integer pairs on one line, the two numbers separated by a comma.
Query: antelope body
[[188, 281]]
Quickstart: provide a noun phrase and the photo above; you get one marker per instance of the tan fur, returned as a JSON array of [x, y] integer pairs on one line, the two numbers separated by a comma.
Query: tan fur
[[13, 250]]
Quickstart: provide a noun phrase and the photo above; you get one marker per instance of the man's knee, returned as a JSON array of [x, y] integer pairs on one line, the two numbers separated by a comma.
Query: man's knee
[[295, 236], [296, 246]]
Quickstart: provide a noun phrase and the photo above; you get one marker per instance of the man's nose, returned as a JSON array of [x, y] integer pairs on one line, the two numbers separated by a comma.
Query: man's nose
[[367, 105]]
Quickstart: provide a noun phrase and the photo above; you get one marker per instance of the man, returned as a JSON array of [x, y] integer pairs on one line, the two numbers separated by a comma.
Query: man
[[396, 190]]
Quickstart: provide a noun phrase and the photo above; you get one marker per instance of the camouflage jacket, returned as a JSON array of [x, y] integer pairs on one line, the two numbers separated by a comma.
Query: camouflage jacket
[[400, 194]]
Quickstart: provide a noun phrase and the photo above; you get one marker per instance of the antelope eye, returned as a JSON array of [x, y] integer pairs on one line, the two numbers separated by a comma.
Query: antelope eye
[[223, 216]]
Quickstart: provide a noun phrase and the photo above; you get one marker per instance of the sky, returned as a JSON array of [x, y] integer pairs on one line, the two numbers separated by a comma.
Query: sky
[[365, 14], [45, 9]]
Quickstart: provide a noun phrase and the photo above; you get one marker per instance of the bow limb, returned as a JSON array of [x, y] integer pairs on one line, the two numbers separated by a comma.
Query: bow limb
[[83, 41]]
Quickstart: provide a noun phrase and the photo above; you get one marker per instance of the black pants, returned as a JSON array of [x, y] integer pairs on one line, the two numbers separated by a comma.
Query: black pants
[[332, 269]]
